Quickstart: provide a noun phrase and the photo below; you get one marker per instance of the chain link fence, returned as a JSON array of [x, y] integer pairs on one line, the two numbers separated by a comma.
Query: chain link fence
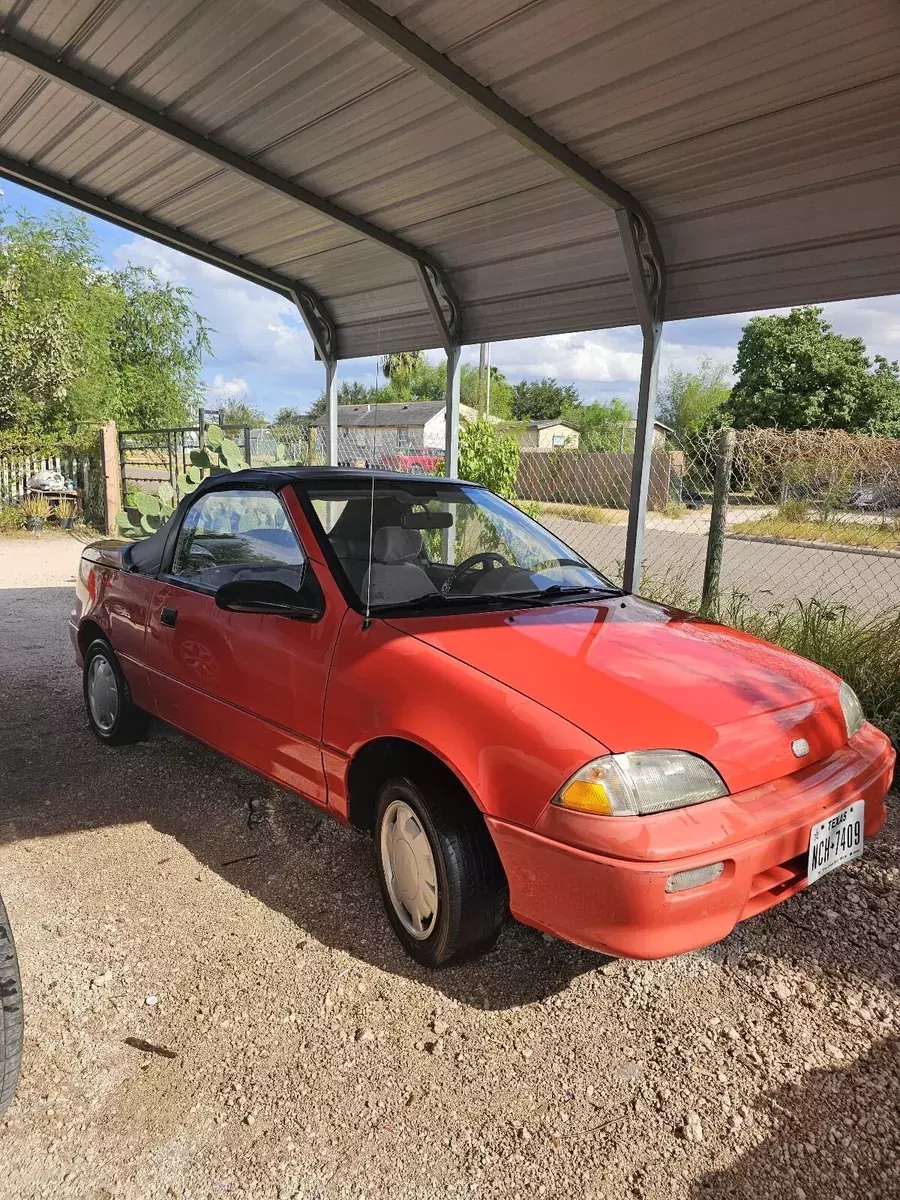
[[806, 516], [752, 516], [150, 456]]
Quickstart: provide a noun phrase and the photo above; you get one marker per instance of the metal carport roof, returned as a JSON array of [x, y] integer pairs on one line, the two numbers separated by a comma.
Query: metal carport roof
[[477, 169], [763, 140]]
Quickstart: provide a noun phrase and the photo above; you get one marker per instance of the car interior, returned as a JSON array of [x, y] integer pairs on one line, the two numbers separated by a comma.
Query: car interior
[[407, 560]]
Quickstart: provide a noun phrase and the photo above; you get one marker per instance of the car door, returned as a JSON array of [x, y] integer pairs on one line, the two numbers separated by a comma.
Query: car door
[[250, 684]]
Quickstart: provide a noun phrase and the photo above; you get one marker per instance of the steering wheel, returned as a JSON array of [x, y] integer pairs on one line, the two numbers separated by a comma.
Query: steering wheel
[[484, 558]]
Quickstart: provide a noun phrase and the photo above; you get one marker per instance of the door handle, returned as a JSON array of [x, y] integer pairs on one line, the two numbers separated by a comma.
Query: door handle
[[168, 616]]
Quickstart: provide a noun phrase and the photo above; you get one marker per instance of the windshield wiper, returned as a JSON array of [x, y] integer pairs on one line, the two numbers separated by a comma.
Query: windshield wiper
[[433, 600], [502, 599], [486, 600], [575, 589]]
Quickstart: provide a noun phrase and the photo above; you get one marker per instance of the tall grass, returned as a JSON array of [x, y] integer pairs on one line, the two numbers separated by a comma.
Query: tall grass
[[863, 650]]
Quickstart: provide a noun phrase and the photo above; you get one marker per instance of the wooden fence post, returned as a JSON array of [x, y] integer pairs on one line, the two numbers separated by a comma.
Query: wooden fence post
[[716, 538], [112, 477]]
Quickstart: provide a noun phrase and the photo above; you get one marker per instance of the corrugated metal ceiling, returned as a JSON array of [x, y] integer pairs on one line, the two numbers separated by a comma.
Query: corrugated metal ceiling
[[763, 140]]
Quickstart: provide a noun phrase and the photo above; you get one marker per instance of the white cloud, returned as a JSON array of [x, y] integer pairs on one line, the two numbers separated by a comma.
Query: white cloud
[[226, 389], [574, 357], [260, 347], [251, 325]]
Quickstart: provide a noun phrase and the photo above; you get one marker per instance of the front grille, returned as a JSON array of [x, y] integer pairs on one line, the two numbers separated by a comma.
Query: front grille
[[768, 887]]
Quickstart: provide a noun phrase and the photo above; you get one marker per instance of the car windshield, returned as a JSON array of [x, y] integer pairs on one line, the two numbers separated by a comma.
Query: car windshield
[[438, 546]]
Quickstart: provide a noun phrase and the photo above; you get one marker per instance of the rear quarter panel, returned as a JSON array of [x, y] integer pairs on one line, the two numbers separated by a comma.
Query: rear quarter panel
[[118, 602], [510, 753]]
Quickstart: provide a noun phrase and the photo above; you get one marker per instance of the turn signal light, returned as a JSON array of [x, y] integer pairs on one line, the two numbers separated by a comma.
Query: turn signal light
[[682, 881]]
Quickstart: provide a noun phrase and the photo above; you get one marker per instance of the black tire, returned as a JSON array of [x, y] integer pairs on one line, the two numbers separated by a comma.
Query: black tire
[[130, 723], [11, 1019], [472, 893]]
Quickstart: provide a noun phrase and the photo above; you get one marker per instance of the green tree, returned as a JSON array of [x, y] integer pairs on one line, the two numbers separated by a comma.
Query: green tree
[[795, 372], [601, 426], [239, 411], [428, 382], [883, 415], [350, 391], [156, 349], [693, 401], [290, 416], [80, 343], [400, 366], [541, 399], [502, 391]]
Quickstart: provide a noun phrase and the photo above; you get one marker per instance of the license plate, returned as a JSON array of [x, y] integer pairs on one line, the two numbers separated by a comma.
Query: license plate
[[836, 841]]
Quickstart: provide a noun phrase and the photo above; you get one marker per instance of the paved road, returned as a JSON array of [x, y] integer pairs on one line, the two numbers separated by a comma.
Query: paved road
[[767, 572]]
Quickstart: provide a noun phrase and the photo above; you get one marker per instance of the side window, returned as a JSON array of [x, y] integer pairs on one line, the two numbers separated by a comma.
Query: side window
[[238, 535]]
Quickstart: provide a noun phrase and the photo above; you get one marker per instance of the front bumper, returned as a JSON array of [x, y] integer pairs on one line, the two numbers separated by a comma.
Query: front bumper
[[610, 895], [76, 646]]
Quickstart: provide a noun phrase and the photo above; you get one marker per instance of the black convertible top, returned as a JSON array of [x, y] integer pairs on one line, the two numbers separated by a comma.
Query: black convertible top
[[146, 557], [278, 477]]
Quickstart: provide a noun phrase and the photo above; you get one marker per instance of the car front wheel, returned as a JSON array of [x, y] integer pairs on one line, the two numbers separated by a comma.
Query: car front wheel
[[113, 715], [441, 879]]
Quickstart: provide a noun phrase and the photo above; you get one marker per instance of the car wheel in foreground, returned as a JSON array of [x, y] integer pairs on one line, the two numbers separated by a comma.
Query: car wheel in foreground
[[11, 1023], [441, 879], [113, 715]]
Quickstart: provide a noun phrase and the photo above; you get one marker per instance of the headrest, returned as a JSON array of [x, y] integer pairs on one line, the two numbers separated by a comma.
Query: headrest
[[392, 544]]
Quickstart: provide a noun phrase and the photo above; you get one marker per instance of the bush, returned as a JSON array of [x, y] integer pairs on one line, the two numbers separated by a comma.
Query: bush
[[793, 510], [488, 458], [11, 518]]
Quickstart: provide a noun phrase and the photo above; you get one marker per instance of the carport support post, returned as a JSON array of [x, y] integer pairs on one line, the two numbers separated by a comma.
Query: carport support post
[[331, 411], [646, 274], [642, 462], [451, 412]]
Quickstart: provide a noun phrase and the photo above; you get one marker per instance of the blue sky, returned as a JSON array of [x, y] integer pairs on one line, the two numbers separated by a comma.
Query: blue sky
[[262, 352]]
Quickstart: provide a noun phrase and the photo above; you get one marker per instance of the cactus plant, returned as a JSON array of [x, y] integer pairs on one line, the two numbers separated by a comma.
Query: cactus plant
[[147, 512]]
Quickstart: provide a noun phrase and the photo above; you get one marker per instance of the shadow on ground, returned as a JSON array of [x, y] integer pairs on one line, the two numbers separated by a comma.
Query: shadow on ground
[[836, 1137], [57, 778], [293, 857]]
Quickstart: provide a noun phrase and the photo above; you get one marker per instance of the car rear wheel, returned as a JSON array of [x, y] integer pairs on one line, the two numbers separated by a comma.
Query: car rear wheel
[[441, 879], [11, 1023], [112, 714]]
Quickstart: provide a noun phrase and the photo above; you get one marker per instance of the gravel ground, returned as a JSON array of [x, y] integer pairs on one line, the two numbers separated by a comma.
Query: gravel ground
[[215, 1006]]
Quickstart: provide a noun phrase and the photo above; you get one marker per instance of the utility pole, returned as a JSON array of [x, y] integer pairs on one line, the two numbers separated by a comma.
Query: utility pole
[[484, 378]]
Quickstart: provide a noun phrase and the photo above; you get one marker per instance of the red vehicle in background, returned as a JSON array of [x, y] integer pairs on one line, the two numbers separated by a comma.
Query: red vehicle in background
[[424, 661], [426, 462]]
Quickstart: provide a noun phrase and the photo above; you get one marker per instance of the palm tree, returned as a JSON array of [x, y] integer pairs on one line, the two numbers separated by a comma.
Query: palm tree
[[398, 367]]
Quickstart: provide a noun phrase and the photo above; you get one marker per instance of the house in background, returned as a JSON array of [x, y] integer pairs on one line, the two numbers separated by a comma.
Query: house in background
[[371, 431], [660, 433], [549, 435]]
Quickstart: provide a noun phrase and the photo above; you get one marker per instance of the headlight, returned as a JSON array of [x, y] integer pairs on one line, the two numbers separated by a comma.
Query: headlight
[[854, 717], [641, 782]]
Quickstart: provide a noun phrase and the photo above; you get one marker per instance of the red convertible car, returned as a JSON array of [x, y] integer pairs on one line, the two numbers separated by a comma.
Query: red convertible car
[[438, 670]]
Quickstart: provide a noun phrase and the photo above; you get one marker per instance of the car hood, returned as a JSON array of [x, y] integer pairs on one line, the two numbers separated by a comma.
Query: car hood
[[640, 676]]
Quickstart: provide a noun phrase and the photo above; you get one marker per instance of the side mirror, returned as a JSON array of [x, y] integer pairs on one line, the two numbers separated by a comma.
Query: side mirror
[[266, 596]]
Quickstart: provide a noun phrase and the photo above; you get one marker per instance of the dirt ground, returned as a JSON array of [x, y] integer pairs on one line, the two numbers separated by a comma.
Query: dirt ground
[[215, 1006]]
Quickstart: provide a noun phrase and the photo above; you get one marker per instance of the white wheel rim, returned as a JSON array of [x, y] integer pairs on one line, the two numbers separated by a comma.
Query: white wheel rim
[[103, 693], [409, 869]]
